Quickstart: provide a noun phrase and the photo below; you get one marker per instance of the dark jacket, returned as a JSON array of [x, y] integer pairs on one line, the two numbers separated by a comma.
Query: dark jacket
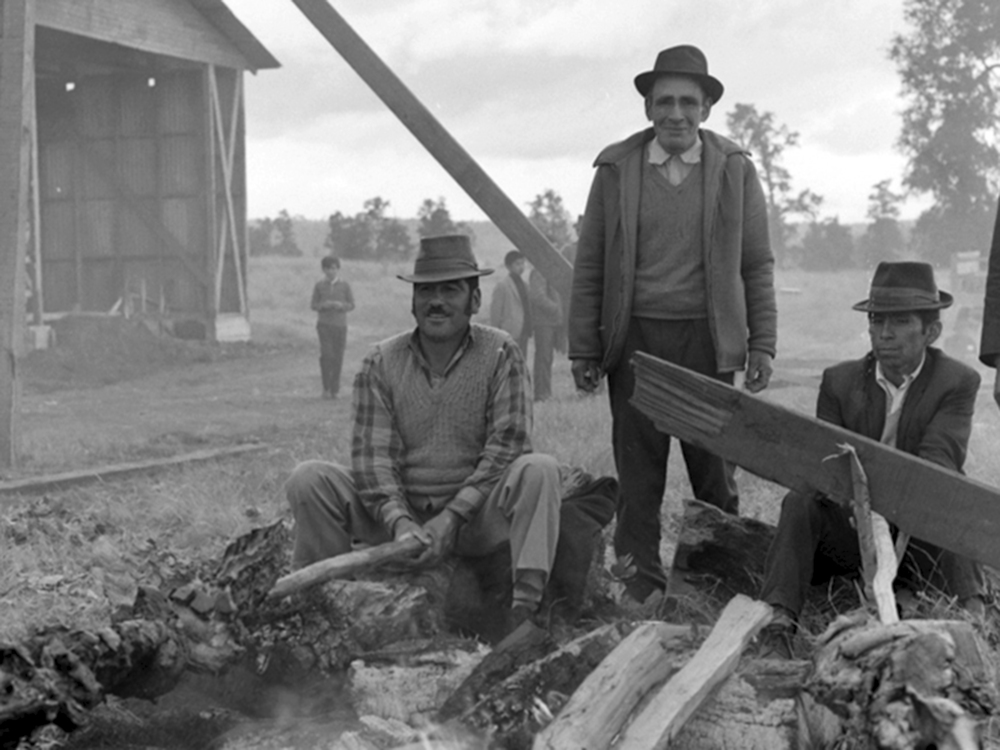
[[936, 420], [989, 344], [739, 265]]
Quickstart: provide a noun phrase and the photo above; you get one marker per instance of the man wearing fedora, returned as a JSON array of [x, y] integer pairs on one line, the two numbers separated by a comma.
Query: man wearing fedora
[[905, 393], [673, 259], [441, 447]]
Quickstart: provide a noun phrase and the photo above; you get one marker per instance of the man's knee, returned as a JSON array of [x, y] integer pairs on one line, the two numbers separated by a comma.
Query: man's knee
[[312, 481]]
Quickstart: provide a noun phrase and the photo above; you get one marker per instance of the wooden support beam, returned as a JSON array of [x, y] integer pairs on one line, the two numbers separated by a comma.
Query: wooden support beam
[[601, 705], [441, 145], [17, 54], [923, 499], [674, 703]]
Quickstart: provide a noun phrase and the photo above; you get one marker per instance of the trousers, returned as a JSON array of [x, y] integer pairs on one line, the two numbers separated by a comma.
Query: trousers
[[332, 342], [816, 541], [522, 509], [641, 451]]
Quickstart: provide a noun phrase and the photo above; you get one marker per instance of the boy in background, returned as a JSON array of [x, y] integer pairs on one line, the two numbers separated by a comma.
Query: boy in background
[[332, 300]]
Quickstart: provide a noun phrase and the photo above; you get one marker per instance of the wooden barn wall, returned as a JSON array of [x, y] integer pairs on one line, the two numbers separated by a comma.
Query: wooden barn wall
[[122, 186], [162, 27]]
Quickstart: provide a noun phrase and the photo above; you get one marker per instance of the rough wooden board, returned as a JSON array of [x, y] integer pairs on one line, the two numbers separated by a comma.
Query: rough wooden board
[[788, 448], [664, 715], [599, 708], [64, 479]]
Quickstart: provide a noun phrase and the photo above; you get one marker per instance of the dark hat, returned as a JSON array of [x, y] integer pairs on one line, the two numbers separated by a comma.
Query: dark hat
[[447, 257], [684, 60], [903, 287]]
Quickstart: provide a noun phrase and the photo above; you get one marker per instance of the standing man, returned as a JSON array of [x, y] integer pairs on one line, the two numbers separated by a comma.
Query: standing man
[[510, 308], [905, 393], [547, 321], [989, 346], [673, 259], [332, 300], [442, 442]]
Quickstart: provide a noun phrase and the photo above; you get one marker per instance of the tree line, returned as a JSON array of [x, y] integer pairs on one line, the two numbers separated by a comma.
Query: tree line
[[947, 62]]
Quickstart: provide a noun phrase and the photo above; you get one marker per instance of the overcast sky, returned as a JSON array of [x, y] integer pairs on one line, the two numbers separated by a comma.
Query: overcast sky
[[533, 89]]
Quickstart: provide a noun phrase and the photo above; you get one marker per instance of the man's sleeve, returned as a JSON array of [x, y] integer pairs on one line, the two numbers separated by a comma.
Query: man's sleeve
[[827, 404], [946, 438], [496, 307], [587, 296], [508, 431], [757, 266], [376, 448], [314, 304], [349, 297], [989, 344]]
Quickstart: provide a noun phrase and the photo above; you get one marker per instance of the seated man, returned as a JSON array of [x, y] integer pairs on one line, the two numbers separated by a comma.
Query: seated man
[[442, 442], [907, 394]]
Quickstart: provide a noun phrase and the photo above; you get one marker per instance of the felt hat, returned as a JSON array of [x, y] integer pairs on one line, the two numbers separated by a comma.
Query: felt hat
[[903, 287], [684, 60], [446, 257]]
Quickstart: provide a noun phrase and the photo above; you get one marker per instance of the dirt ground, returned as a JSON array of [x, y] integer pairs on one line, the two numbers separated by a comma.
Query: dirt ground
[[112, 390]]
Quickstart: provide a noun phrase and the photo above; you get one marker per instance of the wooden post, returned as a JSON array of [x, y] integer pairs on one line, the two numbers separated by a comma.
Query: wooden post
[[17, 54], [432, 135]]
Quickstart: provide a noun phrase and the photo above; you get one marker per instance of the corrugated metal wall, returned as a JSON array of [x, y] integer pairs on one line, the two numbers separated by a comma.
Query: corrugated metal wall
[[123, 171]]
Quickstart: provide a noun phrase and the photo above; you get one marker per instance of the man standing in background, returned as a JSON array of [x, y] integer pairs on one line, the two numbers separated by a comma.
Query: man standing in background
[[547, 321], [332, 300], [510, 308], [673, 259]]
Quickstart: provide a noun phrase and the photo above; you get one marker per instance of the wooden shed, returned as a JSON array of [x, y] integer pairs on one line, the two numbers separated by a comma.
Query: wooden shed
[[138, 161]]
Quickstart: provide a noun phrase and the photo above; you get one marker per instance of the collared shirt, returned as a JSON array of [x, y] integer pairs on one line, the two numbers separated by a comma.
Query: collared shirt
[[378, 450], [675, 167], [895, 396]]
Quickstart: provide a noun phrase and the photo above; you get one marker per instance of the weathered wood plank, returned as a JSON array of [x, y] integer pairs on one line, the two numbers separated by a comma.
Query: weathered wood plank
[[510, 219], [662, 718], [17, 44], [789, 448], [599, 708], [64, 479]]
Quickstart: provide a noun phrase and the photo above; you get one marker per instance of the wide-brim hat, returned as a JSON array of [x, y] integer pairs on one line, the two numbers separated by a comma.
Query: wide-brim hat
[[684, 60], [903, 287], [446, 257]]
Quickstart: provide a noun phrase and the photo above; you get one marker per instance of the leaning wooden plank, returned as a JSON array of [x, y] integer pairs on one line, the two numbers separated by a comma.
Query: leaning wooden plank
[[788, 448], [52, 481], [665, 713], [599, 708]]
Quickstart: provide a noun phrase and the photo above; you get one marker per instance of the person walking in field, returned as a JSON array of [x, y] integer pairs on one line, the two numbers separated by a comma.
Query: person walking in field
[[441, 447], [908, 394], [673, 259], [332, 300], [547, 322]]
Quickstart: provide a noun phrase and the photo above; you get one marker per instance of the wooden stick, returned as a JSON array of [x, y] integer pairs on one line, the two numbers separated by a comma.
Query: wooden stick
[[601, 705], [664, 715], [344, 565]]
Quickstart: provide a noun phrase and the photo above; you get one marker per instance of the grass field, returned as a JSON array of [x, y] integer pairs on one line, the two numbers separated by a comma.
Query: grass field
[[59, 554]]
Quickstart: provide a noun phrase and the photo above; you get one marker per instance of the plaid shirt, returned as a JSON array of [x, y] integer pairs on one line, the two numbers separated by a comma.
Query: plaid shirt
[[377, 448]]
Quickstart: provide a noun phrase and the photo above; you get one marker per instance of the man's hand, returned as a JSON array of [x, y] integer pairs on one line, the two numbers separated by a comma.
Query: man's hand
[[758, 373], [438, 536], [996, 383], [586, 374]]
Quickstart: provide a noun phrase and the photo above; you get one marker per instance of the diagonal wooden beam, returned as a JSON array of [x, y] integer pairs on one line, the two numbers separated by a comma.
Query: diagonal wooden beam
[[432, 135], [923, 499]]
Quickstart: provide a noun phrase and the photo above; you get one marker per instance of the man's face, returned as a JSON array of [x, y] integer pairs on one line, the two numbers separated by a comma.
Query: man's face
[[899, 340], [443, 309], [517, 267], [331, 273], [676, 107]]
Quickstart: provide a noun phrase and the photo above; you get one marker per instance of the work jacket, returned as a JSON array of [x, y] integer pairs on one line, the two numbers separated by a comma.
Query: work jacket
[[739, 265]]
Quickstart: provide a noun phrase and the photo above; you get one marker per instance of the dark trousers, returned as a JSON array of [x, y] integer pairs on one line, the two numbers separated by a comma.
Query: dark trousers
[[545, 342], [332, 341], [641, 451], [816, 541]]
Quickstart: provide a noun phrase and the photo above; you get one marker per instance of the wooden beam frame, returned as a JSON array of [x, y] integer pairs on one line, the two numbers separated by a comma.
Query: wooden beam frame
[[17, 42]]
